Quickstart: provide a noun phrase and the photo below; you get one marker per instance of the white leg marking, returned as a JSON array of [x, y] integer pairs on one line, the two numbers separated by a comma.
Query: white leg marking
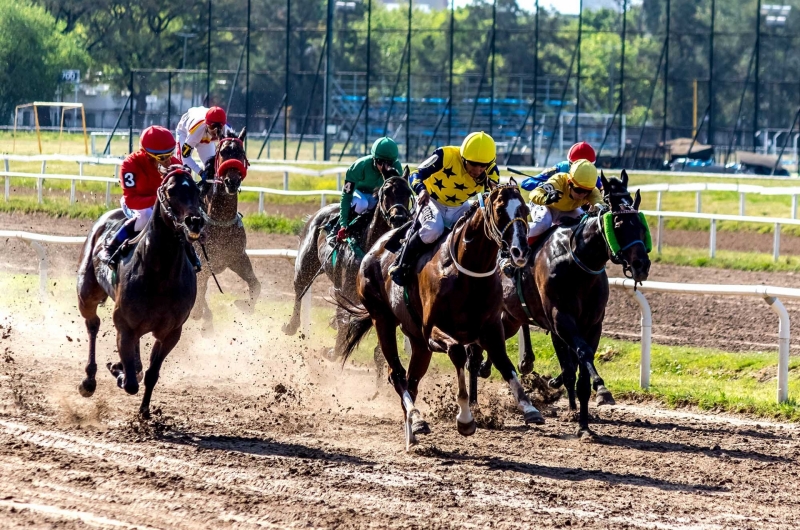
[[464, 413], [523, 403]]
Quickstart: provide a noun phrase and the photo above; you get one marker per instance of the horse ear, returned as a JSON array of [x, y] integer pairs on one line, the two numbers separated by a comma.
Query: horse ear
[[604, 180], [624, 176], [637, 200], [513, 182], [406, 172], [243, 133]]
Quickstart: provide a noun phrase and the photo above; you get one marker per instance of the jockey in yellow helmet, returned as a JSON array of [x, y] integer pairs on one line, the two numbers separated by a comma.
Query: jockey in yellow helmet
[[444, 183]]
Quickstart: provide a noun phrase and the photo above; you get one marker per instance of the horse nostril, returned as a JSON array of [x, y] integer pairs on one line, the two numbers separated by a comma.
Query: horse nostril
[[516, 253]]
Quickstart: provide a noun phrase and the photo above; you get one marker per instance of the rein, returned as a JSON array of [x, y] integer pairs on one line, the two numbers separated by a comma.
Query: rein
[[385, 211]]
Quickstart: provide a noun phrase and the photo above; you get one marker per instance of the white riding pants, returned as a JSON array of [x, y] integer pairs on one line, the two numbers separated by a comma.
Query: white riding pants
[[543, 217], [435, 216]]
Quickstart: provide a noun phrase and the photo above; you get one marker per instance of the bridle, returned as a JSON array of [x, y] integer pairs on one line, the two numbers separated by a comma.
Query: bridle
[[403, 207], [491, 230], [221, 165], [163, 200]]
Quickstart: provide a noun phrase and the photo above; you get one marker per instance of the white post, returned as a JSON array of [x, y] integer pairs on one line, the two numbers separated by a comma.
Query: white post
[[315, 149], [8, 179], [712, 246], [72, 192], [658, 200], [40, 251], [521, 343], [783, 347], [697, 202], [305, 313], [44, 166], [660, 235], [776, 244], [323, 200], [94, 152], [260, 202], [80, 168], [269, 153], [39, 186], [285, 180], [339, 182], [741, 203], [794, 206], [647, 333]]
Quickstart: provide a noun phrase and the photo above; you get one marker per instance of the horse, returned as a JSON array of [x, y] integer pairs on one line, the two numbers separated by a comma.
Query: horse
[[340, 262], [153, 289], [565, 291], [225, 236], [455, 300]]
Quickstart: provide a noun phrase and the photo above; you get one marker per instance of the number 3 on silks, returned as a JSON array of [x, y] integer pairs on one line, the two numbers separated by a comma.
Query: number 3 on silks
[[128, 179]]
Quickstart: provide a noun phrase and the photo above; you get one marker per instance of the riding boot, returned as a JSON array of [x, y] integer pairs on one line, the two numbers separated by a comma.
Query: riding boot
[[110, 253], [407, 258], [194, 259]]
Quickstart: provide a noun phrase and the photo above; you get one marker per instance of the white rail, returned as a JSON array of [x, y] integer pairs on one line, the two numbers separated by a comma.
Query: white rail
[[741, 189], [714, 217], [768, 293]]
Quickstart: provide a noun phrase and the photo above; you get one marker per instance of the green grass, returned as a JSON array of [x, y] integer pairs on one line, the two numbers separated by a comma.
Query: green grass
[[708, 379], [273, 224], [726, 259], [53, 207]]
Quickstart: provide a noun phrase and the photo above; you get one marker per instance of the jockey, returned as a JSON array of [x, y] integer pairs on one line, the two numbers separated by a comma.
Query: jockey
[[444, 183], [364, 177], [140, 177], [199, 129], [562, 196], [579, 151]]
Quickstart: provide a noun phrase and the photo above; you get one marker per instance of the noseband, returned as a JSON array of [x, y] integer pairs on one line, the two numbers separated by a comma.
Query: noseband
[[165, 206], [614, 255], [220, 165]]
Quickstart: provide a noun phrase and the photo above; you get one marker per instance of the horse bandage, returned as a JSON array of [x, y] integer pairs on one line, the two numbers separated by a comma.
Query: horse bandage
[[607, 222]]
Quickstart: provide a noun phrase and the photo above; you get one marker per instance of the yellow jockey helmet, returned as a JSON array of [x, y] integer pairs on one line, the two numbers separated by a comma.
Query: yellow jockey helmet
[[478, 147], [583, 174]]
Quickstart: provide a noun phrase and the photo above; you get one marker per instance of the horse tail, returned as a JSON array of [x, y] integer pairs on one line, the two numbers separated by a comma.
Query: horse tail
[[358, 325]]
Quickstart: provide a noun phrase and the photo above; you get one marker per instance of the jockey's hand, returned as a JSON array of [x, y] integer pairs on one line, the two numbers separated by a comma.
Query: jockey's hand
[[423, 198], [552, 194], [341, 235], [597, 207]]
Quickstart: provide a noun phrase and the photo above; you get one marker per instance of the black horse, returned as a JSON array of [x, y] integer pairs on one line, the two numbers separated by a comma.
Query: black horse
[[153, 288], [340, 262], [565, 291], [225, 236]]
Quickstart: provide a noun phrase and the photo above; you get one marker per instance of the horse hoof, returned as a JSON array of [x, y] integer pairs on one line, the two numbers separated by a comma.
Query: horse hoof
[[288, 329], [139, 376], [467, 429], [421, 427], [604, 398], [329, 354], [87, 387], [244, 306], [556, 382], [586, 435], [144, 413], [525, 367], [534, 416], [485, 370]]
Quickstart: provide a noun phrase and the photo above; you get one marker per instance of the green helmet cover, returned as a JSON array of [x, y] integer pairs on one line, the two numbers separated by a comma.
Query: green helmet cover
[[385, 149]]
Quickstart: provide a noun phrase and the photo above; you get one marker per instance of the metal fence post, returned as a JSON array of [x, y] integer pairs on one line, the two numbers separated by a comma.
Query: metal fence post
[[108, 195], [776, 244], [285, 180], [660, 235], [647, 331], [39, 186], [658, 201], [72, 192], [794, 206], [260, 202], [697, 202], [339, 182], [783, 346], [713, 239], [741, 203]]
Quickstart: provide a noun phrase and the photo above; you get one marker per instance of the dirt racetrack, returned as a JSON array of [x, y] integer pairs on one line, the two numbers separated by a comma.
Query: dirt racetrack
[[252, 430]]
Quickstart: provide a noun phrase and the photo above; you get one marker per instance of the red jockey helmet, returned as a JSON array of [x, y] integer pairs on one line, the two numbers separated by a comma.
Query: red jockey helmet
[[157, 140], [581, 151], [216, 115]]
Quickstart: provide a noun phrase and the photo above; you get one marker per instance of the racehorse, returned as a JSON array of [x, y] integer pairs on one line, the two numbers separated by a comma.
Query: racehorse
[[226, 239], [341, 261], [565, 291], [456, 300], [153, 288]]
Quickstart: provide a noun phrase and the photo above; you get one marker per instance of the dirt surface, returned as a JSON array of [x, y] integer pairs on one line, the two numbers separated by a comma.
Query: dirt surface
[[252, 430]]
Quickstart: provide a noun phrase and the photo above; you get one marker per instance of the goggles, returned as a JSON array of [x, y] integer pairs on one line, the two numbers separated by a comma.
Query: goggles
[[578, 190], [161, 157]]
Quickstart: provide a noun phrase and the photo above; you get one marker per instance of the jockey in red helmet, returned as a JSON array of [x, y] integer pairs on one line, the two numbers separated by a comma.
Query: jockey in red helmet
[[199, 129], [579, 151]]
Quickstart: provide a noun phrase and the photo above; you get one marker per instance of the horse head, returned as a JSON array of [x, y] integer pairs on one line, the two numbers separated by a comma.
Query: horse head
[[179, 198], [506, 215], [394, 198], [231, 162], [625, 228]]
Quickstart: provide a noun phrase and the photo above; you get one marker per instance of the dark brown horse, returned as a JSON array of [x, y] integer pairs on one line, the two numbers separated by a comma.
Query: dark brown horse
[[225, 235], [154, 287], [565, 291], [454, 300], [340, 262]]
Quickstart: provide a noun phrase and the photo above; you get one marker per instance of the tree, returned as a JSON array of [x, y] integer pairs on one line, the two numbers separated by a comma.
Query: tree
[[33, 51]]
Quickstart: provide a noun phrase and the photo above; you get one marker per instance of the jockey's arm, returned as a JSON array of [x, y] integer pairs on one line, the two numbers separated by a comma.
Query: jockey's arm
[[430, 166], [350, 180], [539, 194], [188, 141], [531, 183]]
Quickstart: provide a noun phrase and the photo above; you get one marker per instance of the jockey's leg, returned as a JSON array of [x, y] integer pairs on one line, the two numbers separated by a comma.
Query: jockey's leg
[[127, 231], [432, 228], [541, 220]]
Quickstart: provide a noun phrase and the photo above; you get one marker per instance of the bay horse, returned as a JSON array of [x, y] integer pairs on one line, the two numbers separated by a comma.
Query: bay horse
[[565, 292], [341, 262], [455, 299], [153, 288], [225, 236]]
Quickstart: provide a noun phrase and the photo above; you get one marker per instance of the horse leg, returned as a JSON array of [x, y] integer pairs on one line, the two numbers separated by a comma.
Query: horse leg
[[464, 419], [90, 294], [306, 266], [125, 371], [568, 330], [88, 385], [380, 364], [584, 393], [200, 304], [603, 394], [244, 269], [493, 341], [567, 377], [417, 368], [474, 360], [139, 368], [528, 358], [342, 319], [161, 349]]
